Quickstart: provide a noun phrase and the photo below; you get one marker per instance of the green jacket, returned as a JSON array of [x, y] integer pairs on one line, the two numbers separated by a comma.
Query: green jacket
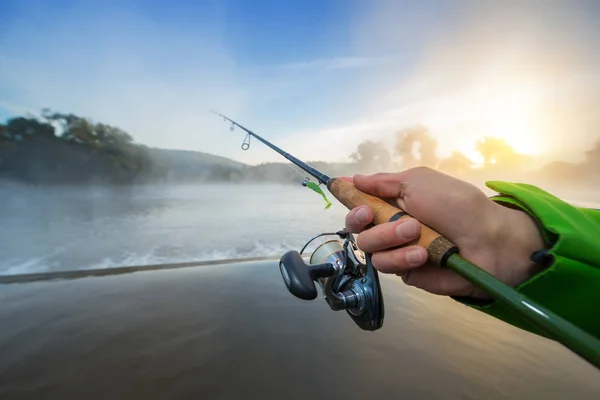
[[570, 285]]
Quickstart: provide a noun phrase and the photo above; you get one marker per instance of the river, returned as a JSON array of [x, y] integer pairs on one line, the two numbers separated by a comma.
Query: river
[[98, 227], [232, 331]]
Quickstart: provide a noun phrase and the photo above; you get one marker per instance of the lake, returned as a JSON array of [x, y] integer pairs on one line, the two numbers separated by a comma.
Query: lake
[[232, 330], [77, 228]]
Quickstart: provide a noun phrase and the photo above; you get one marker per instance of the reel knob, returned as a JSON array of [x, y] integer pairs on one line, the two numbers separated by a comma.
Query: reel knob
[[299, 277]]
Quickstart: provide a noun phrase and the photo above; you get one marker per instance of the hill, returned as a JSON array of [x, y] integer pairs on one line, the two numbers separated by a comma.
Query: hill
[[187, 165], [65, 149]]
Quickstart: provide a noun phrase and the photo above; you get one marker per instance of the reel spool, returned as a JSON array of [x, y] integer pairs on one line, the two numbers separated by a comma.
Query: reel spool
[[345, 274]]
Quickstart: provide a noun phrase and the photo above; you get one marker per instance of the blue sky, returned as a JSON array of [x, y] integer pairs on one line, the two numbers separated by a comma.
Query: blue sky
[[316, 76]]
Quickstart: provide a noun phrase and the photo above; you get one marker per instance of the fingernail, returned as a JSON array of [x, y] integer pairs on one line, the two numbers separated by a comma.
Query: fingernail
[[408, 230], [414, 257], [362, 216]]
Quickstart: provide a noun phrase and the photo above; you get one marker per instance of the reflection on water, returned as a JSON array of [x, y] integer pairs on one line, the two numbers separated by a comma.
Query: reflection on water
[[233, 331]]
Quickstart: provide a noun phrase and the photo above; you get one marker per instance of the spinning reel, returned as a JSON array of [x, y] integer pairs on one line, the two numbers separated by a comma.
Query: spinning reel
[[344, 273]]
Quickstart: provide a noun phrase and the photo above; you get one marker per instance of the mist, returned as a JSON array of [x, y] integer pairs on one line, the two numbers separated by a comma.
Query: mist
[[478, 90], [526, 72]]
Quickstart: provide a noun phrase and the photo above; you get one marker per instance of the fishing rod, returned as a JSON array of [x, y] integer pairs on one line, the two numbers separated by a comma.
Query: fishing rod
[[350, 282]]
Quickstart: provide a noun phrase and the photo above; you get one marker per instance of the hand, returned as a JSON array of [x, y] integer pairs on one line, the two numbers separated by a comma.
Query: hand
[[496, 238]]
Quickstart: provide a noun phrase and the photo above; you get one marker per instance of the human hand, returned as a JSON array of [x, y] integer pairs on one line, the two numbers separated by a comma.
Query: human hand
[[498, 239]]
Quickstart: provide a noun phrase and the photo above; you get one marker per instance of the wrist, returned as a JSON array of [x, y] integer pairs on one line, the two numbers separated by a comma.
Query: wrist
[[519, 237]]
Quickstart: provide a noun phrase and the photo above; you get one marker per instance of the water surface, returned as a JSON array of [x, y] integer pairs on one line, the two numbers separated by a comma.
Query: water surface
[[97, 227], [232, 331]]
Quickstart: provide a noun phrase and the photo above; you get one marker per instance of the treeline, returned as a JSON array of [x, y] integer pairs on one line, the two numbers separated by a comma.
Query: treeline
[[415, 146], [59, 148], [65, 148]]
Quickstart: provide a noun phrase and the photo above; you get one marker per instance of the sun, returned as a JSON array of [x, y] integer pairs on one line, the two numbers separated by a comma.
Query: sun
[[512, 122], [508, 112]]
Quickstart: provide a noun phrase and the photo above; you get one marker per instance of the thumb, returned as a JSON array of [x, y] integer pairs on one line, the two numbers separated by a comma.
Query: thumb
[[382, 185]]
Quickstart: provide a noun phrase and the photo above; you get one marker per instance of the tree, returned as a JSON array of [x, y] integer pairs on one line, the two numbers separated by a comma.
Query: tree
[[592, 157], [85, 131], [497, 152], [456, 164], [117, 136], [22, 128], [416, 139], [371, 154]]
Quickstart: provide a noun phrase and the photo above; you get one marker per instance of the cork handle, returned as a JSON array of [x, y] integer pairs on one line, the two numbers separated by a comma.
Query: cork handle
[[438, 247]]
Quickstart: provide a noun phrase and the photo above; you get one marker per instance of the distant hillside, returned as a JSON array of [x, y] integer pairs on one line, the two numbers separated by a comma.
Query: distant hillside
[[64, 149], [35, 151], [185, 165], [182, 159]]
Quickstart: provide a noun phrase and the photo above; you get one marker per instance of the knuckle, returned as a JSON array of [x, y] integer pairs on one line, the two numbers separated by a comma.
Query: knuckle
[[349, 219], [386, 235], [360, 241], [353, 228], [389, 262]]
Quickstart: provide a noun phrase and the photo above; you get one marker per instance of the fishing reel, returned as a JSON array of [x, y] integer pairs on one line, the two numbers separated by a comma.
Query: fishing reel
[[345, 274]]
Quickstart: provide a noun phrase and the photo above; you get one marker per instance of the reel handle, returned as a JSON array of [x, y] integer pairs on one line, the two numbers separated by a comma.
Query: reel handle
[[438, 247], [299, 277]]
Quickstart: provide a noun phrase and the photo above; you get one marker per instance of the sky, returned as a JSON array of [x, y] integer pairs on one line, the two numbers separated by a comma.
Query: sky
[[314, 77]]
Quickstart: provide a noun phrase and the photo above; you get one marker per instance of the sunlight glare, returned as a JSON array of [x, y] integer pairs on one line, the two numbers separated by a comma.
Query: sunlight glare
[[510, 115]]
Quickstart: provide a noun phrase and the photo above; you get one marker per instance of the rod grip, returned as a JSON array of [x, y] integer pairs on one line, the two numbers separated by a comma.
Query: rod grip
[[438, 247]]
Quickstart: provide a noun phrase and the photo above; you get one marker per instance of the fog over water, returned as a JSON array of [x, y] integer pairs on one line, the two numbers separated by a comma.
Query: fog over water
[[78, 228], [51, 229]]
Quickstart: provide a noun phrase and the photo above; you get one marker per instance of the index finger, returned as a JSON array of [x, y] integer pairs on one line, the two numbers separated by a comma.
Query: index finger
[[390, 200], [383, 184]]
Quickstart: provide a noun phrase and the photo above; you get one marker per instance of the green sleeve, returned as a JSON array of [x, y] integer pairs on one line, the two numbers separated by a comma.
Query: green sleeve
[[570, 284]]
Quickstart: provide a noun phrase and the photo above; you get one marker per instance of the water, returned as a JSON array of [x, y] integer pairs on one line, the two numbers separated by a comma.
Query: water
[[232, 331], [82, 228], [98, 227]]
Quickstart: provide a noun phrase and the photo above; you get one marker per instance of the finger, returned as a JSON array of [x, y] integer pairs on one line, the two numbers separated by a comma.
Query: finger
[[391, 200], [398, 261], [388, 235], [358, 218], [384, 184]]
